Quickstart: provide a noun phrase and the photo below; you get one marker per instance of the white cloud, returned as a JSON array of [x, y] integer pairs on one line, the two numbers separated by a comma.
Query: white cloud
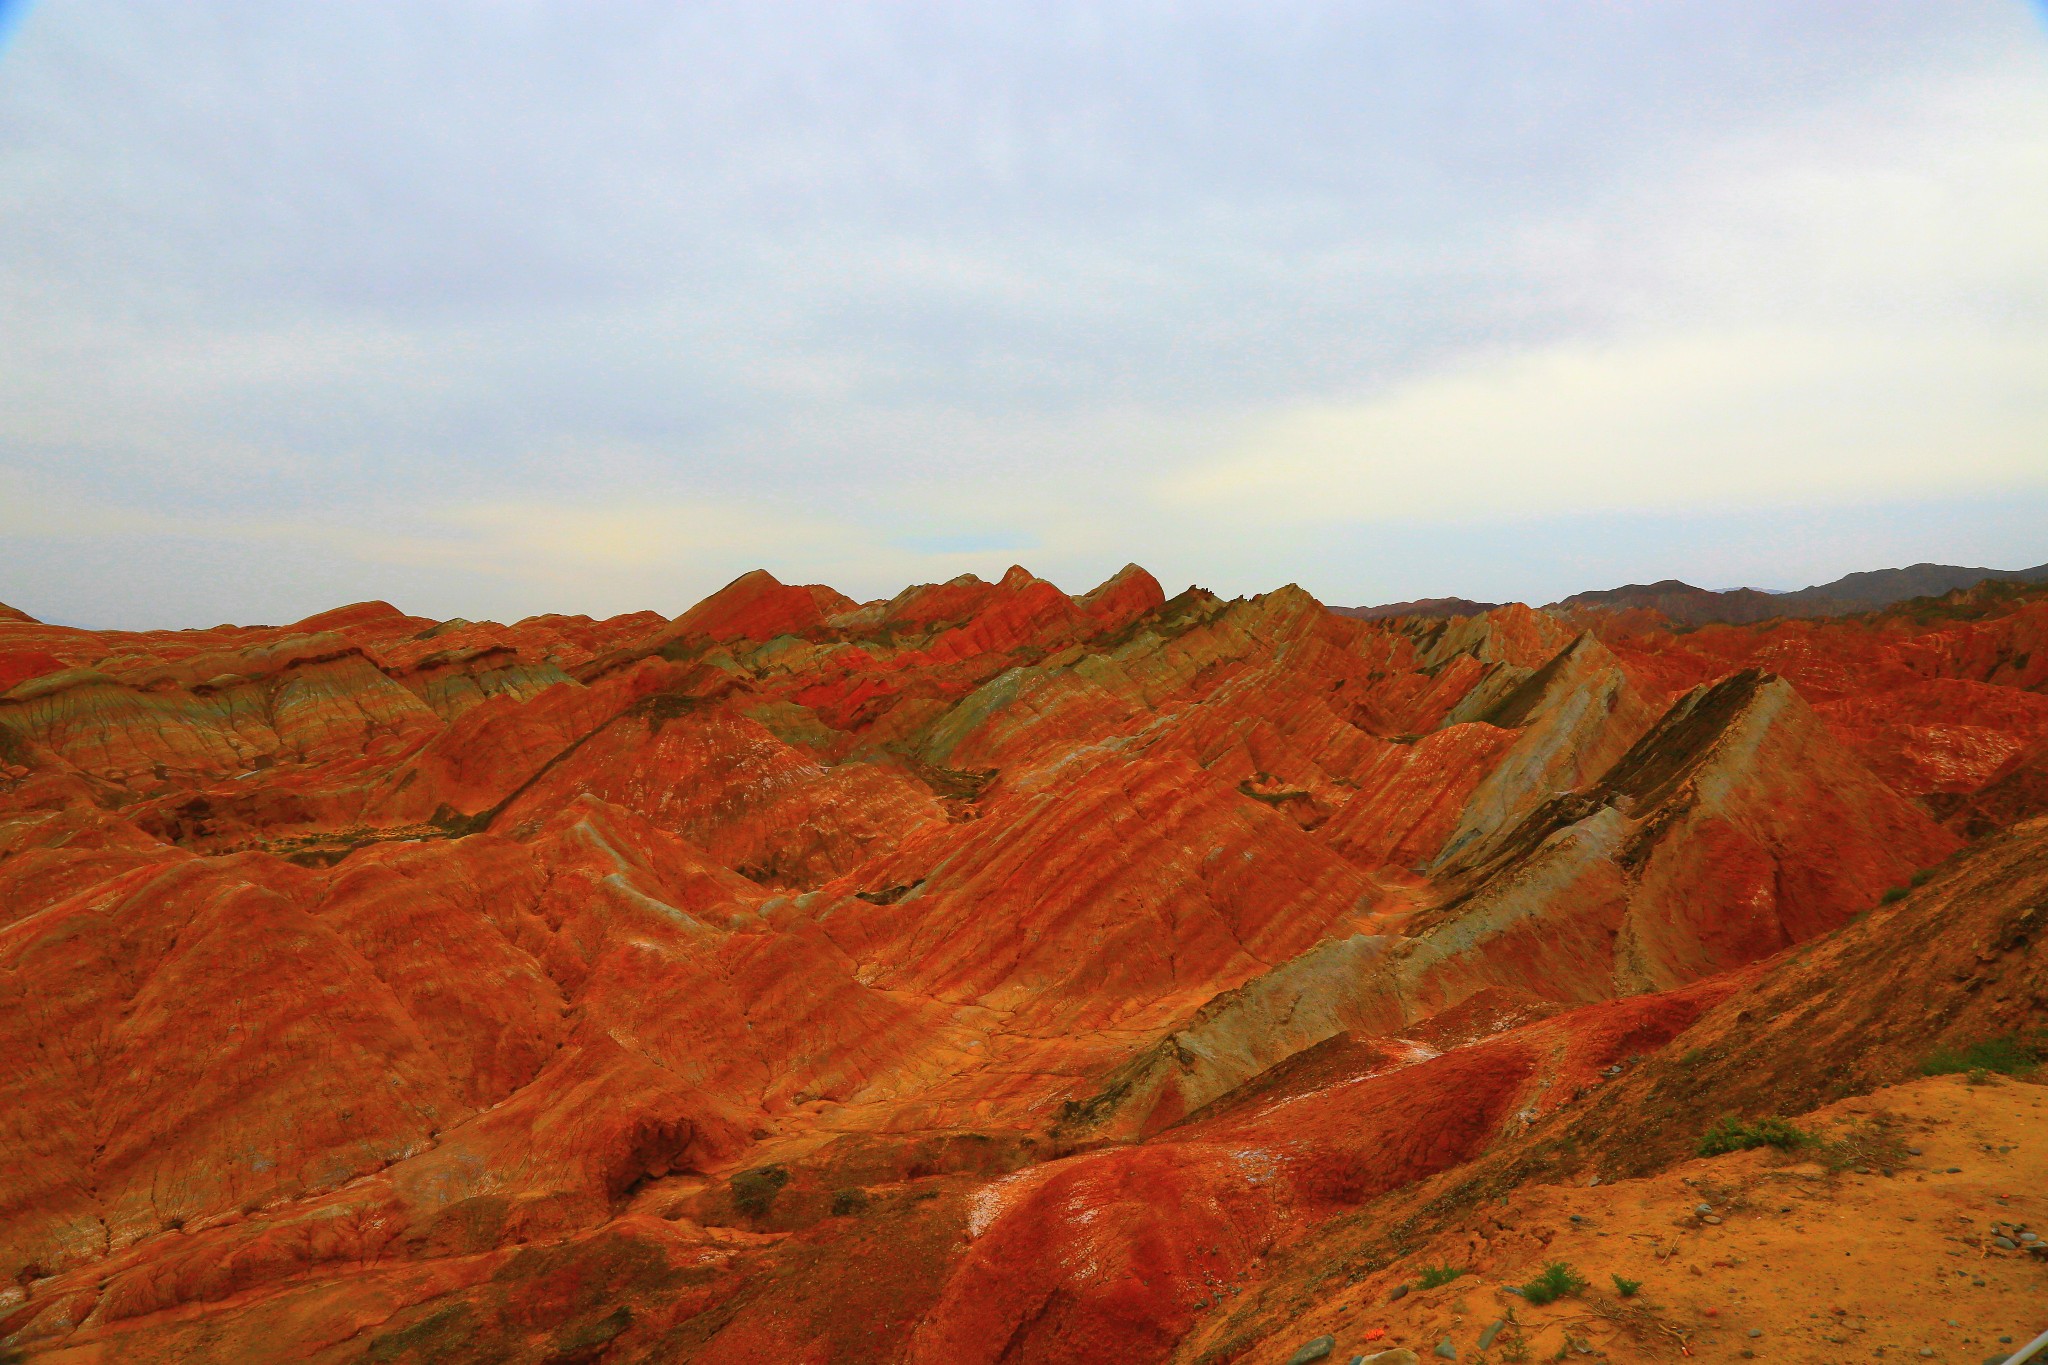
[[1843, 310], [1701, 421]]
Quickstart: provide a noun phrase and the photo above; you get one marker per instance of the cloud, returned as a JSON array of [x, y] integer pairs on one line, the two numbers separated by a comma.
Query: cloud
[[1703, 421], [485, 307]]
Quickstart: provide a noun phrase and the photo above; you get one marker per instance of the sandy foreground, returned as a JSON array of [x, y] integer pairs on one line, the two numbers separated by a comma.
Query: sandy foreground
[[1754, 1255]]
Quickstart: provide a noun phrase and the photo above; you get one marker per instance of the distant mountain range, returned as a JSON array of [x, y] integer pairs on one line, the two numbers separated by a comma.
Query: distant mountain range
[[1688, 605]]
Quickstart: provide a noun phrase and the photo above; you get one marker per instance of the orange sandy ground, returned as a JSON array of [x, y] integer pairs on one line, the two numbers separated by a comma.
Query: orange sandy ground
[[1824, 1267]]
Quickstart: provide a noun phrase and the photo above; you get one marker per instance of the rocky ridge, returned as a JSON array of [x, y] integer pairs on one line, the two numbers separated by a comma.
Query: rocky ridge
[[777, 980]]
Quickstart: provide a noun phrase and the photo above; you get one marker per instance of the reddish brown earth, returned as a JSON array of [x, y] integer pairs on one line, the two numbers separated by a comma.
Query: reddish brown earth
[[983, 974]]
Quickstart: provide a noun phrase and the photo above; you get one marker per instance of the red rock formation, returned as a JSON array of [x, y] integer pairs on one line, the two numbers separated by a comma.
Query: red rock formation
[[983, 973]]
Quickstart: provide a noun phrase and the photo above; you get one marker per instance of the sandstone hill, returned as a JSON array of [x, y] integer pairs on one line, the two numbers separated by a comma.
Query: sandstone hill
[[995, 974]]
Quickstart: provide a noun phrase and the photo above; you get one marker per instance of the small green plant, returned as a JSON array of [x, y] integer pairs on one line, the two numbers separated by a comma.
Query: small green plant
[[1730, 1134], [1923, 876], [1693, 1057], [848, 1202], [1892, 896], [1626, 1287], [1557, 1280], [2008, 1056], [753, 1192], [1434, 1276], [1873, 1144]]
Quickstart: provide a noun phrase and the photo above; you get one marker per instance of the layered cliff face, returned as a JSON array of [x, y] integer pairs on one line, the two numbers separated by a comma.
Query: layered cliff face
[[777, 980]]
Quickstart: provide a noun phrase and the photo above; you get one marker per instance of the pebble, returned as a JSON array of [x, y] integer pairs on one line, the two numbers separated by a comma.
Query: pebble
[[1493, 1329], [1578, 1218], [1955, 1170], [2030, 1237], [1514, 1289], [1313, 1351], [1400, 1355], [1915, 1151], [2005, 1341], [1756, 1331], [2005, 1244], [1446, 1350], [1710, 1218], [1400, 1292], [1703, 1208], [1925, 1352]]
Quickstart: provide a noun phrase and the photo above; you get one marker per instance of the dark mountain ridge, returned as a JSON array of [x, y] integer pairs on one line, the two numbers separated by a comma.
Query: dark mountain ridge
[[1685, 604]]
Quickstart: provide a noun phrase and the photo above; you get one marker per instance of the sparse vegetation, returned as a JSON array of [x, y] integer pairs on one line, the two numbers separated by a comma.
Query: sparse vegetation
[[848, 1202], [1870, 1144], [1557, 1281], [1923, 876], [1434, 1276], [2007, 1056], [1626, 1287], [753, 1192], [1730, 1134], [1892, 895]]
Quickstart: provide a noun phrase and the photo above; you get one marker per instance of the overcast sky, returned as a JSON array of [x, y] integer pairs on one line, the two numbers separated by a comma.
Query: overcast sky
[[508, 306]]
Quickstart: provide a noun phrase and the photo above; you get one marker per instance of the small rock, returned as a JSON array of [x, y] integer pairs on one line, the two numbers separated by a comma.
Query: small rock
[[1953, 1323], [2030, 1237], [1710, 1218], [1925, 1352], [2005, 1341], [2005, 1244], [1400, 1355], [1748, 1354], [1756, 1331], [1703, 1208], [1514, 1289], [1591, 1183], [1578, 1218], [1493, 1329], [1400, 1292], [1446, 1350], [1914, 1151], [1955, 1170], [1313, 1351]]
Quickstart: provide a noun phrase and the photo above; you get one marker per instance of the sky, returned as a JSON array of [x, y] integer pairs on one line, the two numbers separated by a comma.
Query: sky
[[495, 307]]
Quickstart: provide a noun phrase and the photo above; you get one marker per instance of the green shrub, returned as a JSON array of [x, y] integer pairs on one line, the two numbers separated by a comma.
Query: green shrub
[[1626, 1287], [1436, 1275], [753, 1192], [1557, 1280], [1923, 876], [1892, 895], [851, 1201], [2008, 1056], [1730, 1134]]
